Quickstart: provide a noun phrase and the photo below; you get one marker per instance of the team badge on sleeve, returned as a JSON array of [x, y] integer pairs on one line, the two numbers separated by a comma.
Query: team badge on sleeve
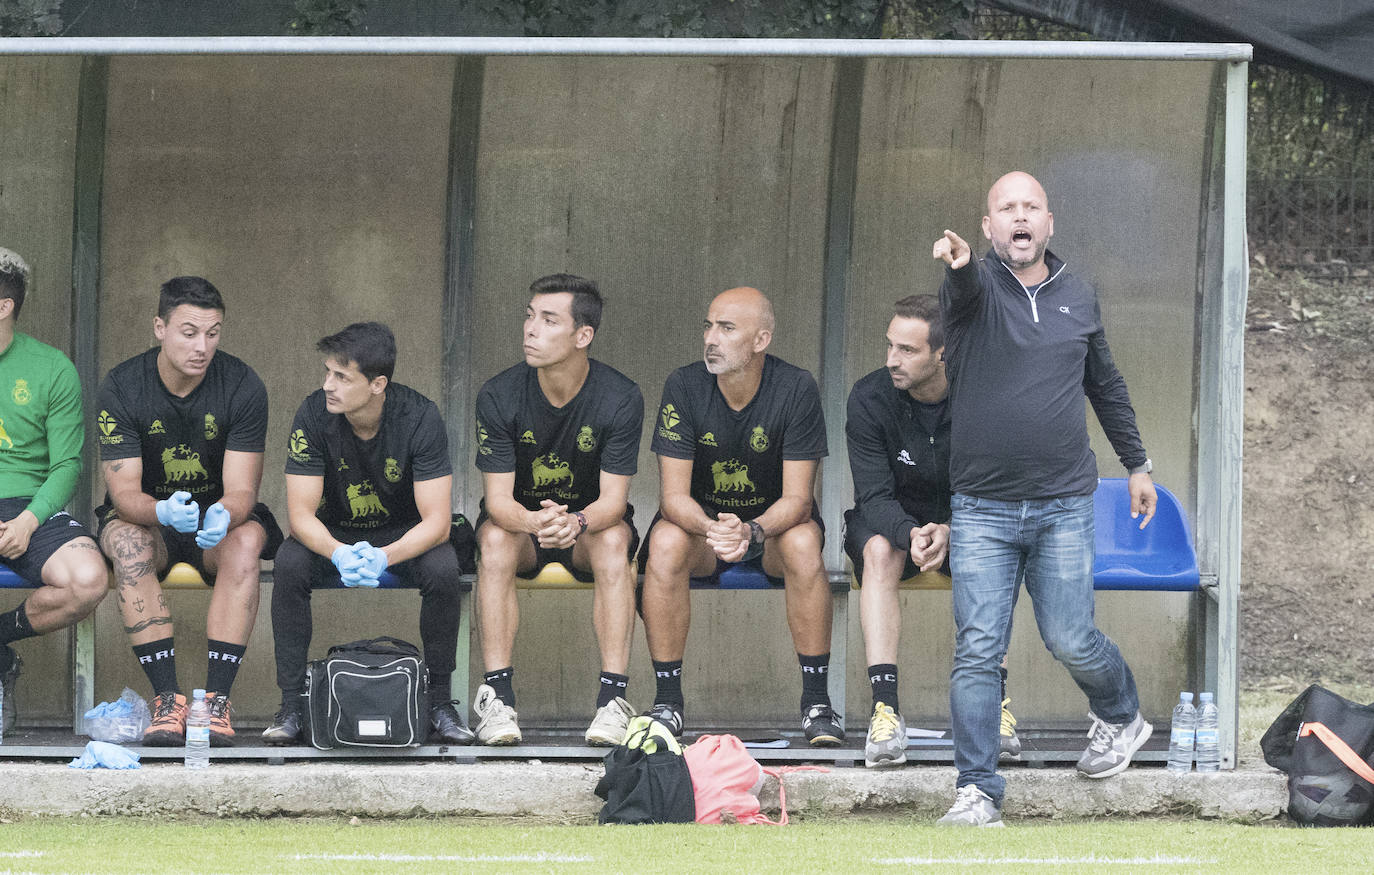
[[106, 423]]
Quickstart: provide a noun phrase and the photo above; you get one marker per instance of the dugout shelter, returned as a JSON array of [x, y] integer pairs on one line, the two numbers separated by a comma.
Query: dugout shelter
[[425, 182]]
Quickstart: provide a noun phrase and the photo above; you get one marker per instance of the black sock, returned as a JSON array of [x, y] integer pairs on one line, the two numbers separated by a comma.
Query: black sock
[[815, 674], [14, 625], [224, 662], [611, 685], [668, 682], [440, 688], [1002, 669], [159, 663], [883, 679], [500, 681]]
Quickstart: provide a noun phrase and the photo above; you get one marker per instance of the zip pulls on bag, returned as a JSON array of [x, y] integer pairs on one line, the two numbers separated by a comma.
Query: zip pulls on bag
[[1035, 312]]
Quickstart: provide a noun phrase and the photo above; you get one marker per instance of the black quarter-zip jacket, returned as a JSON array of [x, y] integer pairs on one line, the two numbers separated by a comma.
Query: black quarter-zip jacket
[[1020, 364], [901, 470]]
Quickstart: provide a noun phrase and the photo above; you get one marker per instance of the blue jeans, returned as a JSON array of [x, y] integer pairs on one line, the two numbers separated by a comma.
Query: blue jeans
[[992, 544]]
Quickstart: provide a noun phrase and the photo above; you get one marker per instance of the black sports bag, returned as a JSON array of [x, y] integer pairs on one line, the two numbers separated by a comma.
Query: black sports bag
[[368, 694]]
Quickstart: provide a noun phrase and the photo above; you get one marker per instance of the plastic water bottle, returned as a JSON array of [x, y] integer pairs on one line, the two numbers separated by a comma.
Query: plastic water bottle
[[1208, 753], [1181, 734], [198, 732]]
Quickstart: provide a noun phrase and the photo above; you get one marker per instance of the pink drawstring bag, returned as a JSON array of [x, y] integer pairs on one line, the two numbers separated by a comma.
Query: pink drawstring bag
[[726, 781]]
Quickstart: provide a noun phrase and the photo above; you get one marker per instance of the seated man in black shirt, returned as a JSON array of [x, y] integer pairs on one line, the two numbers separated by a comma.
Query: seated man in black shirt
[[738, 439], [557, 443], [897, 428], [182, 428], [368, 488]]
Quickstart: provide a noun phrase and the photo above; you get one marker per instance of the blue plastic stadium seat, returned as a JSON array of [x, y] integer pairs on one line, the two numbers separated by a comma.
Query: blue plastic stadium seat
[[10, 580], [1159, 558]]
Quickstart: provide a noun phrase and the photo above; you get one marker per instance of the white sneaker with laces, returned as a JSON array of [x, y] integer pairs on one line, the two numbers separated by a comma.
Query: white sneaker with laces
[[1112, 746], [972, 807], [886, 743], [495, 719], [610, 723]]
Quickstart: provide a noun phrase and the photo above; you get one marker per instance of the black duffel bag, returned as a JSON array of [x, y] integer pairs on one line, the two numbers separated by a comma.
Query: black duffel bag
[[368, 694], [1326, 745]]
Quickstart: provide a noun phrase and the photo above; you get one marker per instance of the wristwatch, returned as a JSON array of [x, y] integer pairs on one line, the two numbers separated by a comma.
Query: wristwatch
[[1142, 469], [581, 520], [756, 532]]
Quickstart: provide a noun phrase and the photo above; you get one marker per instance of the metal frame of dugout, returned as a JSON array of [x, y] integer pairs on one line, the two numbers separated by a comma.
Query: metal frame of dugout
[[1221, 257]]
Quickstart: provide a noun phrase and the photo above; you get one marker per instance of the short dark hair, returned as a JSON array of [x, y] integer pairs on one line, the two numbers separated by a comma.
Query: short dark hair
[[193, 290], [927, 309], [14, 278], [586, 297], [369, 345]]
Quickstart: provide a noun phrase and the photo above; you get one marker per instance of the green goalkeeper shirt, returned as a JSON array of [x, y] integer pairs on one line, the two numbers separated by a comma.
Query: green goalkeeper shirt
[[41, 426]]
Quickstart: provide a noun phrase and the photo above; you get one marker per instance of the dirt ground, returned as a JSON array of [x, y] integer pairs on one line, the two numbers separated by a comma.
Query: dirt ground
[[1307, 590]]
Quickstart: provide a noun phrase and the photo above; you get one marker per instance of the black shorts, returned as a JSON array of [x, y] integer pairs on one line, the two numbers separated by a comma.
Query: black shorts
[[857, 533], [47, 539], [182, 547], [543, 556], [754, 562]]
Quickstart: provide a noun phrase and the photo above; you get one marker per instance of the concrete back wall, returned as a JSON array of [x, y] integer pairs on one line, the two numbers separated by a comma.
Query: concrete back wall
[[312, 192]]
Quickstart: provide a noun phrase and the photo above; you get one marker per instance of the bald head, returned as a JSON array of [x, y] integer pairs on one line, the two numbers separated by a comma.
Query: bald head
[[738, 328], [1019, 224]]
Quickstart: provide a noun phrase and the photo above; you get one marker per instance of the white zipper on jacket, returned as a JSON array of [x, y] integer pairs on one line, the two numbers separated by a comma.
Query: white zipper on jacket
[[1035, 312]]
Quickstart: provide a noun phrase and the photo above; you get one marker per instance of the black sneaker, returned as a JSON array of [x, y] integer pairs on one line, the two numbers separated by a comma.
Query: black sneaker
[[446, 724], [822, 727], [670, 715], [285, 728], [10, 712]]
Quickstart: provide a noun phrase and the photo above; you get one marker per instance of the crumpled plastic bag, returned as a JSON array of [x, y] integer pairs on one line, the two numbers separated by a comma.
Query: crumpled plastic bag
[[120, 721], [103, 755]]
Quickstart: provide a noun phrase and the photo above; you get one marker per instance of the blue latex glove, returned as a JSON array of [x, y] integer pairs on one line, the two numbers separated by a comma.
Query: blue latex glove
[[349, 563], [374, 559], [179, 512], [214, 528], [103, 755]]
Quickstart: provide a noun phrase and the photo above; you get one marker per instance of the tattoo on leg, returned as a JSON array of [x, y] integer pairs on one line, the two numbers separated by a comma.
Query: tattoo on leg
[[162, 601], [138, 605], [131, 541], [151, 621], [128, 573]]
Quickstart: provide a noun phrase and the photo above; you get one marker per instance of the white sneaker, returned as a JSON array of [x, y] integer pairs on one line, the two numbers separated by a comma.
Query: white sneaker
[[495, 719], [886, 743], [972, 807], [1112, 746], [610, 723]]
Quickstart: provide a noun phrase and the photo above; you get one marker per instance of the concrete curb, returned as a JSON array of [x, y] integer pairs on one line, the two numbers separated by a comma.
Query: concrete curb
[[561, 792]]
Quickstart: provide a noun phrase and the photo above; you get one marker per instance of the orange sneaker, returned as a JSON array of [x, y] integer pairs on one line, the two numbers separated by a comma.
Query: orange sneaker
[[221, 730], [169, 721]]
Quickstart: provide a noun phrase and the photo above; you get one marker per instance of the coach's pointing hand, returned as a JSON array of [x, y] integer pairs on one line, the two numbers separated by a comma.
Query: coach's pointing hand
[[952, 250]]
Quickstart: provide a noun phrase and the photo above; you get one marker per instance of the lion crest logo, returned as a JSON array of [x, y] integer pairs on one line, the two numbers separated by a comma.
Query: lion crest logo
[[758, 440], [363, 500], [211, 427], [586, 441], [5, 442], [549, 469], [392, 470], [21, 392], [731, 476], [180, 465], [527, 437]]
